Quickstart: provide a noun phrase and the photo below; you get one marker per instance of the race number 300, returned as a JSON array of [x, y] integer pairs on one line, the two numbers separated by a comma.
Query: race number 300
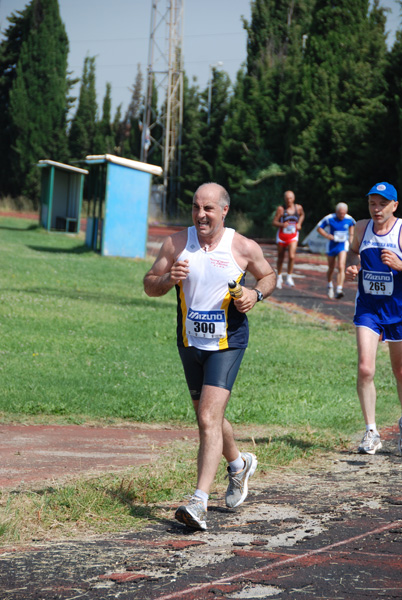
[[206, 323]]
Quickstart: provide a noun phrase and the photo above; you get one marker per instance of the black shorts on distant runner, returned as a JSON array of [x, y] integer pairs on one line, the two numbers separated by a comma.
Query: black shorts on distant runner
[[218, 368]]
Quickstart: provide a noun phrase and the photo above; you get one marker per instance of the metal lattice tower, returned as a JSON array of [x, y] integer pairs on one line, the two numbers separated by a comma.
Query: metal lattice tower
[[162, 125]]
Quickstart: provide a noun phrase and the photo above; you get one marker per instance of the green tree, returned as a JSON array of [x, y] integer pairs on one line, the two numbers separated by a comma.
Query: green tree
[[191, 171], [258, 136], [214, 108], [341, 105], [158, 117], [129, 131], [10, 49], [240, 140], [104, 141], [391, 138], [84, 124], [117, 128], [36, 89]]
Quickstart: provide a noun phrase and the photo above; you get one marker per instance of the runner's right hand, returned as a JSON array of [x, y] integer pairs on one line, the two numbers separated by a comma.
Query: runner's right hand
[[352, 272], [179, 270]]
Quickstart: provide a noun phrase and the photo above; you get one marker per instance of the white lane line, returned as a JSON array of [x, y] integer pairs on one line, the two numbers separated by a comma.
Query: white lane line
[[279, 563]]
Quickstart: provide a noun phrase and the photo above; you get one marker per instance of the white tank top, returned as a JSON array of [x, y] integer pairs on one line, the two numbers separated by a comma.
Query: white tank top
[[203, 297]]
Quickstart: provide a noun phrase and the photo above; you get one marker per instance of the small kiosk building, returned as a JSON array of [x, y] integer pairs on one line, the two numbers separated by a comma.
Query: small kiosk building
[[118, 194], [61, 196]]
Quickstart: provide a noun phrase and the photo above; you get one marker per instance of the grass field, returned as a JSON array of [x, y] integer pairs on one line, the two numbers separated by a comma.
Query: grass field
[[80, 341]]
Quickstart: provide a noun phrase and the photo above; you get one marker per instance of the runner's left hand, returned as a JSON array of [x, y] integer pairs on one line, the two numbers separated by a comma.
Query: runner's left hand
[[247, 301]]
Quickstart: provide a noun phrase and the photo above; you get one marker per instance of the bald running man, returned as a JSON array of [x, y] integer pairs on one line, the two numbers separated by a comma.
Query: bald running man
[[212, 334], [338, 228], [288, 220]]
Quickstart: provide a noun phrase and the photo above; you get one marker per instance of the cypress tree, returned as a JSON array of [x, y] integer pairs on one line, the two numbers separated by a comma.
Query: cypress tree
[[214, 113], [116, 129], [240, 140], [258, 136], [129, 131], [158, 116], [391, 142], [10, 49], [191, 175], [83, 126], [104, 138], [37, 97], [341, 104]]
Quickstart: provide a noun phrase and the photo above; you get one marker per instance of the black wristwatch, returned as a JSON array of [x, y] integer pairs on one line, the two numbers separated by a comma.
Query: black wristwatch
[[259, 295]]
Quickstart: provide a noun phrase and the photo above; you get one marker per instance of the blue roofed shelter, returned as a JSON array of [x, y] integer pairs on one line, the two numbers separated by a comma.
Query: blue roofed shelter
[[61, 196], [118, 195]]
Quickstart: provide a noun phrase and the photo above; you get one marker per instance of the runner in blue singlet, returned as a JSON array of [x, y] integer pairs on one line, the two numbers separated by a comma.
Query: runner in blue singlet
[[378, 312], [338, 229]]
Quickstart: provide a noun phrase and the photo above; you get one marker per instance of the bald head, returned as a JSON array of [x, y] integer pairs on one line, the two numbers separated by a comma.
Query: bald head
[[341, 210], [289, 197], [215, 190]]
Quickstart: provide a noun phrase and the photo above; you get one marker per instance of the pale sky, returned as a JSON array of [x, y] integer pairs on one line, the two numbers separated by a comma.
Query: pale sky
[[117, 33]]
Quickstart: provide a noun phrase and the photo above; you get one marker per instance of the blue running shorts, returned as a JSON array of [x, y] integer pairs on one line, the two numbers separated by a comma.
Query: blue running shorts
[[218, 368], [336, 248], [390, 333]]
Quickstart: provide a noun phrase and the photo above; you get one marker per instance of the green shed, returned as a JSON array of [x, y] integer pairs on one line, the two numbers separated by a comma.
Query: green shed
[[61, 196]]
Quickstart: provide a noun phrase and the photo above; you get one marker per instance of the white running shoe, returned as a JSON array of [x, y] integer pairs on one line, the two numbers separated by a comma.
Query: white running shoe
[[289, 281], [330, 292], [370, 443], [279, 282], [193, 514], [238, 482]]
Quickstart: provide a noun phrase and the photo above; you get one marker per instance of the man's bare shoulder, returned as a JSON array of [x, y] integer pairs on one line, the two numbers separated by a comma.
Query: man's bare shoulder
[[250, 257], [179, 236], [173, 245], [360, 228], [244, 246], [362, 224], [176, 242]]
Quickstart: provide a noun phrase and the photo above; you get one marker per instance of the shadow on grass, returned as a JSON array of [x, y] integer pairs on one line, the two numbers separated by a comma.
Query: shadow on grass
[[95, 297], [30, 228], [82, 249], [291, 441], [137, 511], [121, 496]]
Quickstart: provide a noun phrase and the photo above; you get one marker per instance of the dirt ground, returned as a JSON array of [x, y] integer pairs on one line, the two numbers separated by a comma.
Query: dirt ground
[[38, 455], [331, 531]]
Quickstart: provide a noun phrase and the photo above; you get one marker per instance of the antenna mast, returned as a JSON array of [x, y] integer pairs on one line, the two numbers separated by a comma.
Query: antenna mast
[[162, 124]]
